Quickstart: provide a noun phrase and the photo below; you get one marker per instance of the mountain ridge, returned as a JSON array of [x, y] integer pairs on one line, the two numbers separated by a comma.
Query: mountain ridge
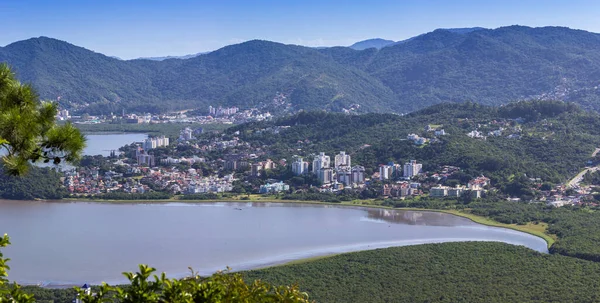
[[489, 66]]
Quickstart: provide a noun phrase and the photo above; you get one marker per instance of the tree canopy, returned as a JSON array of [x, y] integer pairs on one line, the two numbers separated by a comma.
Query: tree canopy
[[28, 129]]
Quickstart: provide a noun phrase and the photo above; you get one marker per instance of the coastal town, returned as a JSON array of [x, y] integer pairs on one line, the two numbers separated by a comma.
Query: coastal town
[[157, 165]]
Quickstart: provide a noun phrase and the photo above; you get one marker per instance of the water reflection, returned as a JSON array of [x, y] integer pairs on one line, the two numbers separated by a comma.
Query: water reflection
[[95, 242], [416, 217]]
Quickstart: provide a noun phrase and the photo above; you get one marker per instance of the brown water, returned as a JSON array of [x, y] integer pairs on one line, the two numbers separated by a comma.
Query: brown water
[[76, 243]]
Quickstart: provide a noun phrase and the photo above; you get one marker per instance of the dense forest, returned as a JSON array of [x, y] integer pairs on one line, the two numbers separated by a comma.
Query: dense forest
[[448, 272], [488, 66], [38, 183]]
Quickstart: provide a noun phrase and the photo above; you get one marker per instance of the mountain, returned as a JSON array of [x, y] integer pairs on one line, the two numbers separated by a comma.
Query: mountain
[[462, 30], [172, 57], [489, 66], [377, 43]]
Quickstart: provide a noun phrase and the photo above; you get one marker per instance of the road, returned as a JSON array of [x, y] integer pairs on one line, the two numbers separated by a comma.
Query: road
[[577, 179]]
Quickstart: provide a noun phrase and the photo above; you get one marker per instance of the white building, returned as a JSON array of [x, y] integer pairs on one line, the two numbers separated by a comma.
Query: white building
[[274, 188], [152, 143], [385, 172], [299, 166], [342, 159], [320, 162], [412, 168]]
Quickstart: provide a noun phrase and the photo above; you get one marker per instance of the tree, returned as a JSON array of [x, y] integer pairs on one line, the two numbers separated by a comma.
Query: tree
[[28, 129]]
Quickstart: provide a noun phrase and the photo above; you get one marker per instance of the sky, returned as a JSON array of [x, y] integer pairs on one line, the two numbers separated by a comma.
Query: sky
[[147, 28]]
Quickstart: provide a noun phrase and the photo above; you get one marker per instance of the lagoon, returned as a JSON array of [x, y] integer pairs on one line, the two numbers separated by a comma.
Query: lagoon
[[102, 144], [62, 243]]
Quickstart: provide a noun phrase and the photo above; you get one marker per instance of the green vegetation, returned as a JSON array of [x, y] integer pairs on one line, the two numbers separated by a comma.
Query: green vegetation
[[449, 272], [28, 131], [441, 66], [554, 142], [38, 183], [135, 196]]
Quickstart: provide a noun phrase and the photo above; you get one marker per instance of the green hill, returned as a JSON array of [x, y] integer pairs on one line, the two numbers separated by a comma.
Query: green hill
[[552, 140], [447, 65], [449, 272]]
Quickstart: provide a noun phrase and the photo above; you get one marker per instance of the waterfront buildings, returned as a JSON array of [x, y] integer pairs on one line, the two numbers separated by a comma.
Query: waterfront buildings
[[274, 188]]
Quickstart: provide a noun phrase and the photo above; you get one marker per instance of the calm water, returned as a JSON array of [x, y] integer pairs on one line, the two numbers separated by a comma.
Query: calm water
[[73, 243], [102, 144]]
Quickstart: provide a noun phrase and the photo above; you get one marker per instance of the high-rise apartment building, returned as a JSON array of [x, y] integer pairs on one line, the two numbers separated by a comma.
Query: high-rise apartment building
[[412, 168]]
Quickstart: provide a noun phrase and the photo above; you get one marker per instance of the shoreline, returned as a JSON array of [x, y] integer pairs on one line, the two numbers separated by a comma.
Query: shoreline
[[311, 256], [529, 229]]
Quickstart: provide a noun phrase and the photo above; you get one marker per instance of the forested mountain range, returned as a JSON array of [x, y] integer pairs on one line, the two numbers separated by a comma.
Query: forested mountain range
[[488, 66]]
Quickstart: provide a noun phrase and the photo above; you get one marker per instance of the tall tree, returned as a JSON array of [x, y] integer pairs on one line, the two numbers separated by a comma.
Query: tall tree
[[28, 129]]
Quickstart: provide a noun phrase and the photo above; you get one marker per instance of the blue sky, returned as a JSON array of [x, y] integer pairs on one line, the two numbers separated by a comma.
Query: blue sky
[[141, 28]]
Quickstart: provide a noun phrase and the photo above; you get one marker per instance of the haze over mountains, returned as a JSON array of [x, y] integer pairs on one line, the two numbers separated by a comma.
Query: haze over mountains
[[447, 65]]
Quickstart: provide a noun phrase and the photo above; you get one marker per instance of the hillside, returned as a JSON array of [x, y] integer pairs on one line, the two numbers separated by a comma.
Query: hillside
[[547, 140], [377, 43], [487, 66]]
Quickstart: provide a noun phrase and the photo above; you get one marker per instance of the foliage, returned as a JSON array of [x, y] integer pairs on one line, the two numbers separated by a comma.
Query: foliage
[[28, 131], [38, 183], [555, 142], [205, 196], [134, 196], [448, 272], [441, 66], [577, 228]]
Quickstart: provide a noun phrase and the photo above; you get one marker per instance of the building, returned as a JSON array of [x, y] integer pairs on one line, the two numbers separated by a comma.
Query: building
[[144, 159], [440, 132], [264, 165], [439, 191], [385, 172], [299, 166], [273, 188], [255, 170], [412, 168], [321, 161], [342, 159], [478, 183], [156, 142], [344, 175], [456, 191], [325, 175], [358, 174], [186, 134]]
